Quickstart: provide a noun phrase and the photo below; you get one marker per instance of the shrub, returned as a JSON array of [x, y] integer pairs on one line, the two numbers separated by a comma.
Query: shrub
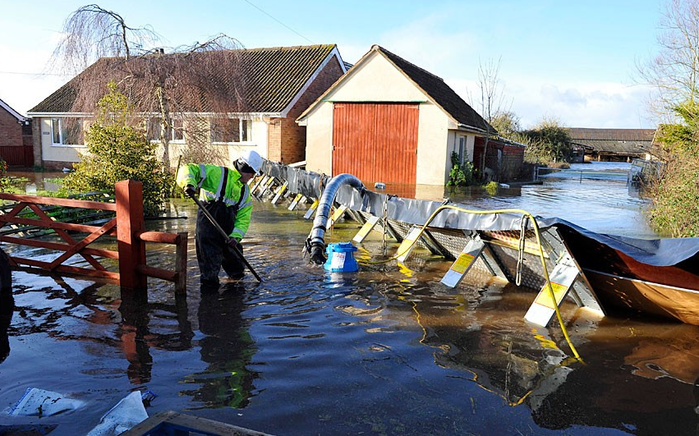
[[547, 142], [491, 188], [675, 193], [117, 149], [460, 174]]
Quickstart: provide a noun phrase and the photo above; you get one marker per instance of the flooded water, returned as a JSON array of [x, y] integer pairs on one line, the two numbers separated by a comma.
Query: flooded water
[[593, 195], [384, 351]]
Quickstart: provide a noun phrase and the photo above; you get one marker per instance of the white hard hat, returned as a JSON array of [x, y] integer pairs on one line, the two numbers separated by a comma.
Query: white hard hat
[[253, 159]]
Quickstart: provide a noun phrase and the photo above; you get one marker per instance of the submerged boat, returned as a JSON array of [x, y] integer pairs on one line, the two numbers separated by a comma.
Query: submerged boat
[[654, 276]]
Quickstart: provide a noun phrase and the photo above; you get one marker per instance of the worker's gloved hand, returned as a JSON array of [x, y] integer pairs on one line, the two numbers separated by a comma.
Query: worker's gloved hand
[[234, 243], [189, 190]]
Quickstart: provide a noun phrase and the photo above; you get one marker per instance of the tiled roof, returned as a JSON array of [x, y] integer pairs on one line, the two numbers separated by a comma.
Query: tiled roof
[[617, 141], [440, 92], [271, 77]]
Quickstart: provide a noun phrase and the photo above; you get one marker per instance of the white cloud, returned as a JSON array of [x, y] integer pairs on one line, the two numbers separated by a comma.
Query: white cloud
[[603, 105]]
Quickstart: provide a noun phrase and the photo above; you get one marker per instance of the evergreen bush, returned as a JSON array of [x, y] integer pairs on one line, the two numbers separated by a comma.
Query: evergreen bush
[[118, 149]]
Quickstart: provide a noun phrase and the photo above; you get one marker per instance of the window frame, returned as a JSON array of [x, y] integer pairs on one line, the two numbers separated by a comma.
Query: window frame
[[243, 131], [62, 133]]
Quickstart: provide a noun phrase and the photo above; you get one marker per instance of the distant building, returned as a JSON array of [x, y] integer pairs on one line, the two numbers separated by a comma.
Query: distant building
[[15, 137], [612, 144]]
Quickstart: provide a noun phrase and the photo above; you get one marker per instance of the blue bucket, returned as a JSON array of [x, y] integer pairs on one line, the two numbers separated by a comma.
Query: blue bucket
[[341, 257]]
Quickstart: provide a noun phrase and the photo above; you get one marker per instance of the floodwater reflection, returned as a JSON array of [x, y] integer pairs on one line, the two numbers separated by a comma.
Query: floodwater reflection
[[227, 348]]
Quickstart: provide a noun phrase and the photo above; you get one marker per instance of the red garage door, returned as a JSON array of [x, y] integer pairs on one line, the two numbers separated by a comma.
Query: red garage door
[[376, 142]]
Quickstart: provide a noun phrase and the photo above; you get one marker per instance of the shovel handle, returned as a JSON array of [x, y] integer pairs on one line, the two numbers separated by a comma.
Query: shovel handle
[[216, 225]]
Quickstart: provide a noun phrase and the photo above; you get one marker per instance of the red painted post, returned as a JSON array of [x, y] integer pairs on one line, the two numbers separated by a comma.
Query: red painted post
[[130, 223]]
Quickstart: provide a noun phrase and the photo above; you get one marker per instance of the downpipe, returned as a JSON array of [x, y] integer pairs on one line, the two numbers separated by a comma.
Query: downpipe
[[315, 244]]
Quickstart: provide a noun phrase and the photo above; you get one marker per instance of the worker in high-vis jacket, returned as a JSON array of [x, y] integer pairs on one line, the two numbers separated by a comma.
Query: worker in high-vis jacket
[[225, 194]]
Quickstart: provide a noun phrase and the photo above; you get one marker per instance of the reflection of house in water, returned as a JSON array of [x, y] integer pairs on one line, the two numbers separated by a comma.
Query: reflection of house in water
[[616, 145]]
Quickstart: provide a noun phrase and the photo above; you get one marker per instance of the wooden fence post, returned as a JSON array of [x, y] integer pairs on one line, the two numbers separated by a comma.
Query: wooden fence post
[[130, 223]]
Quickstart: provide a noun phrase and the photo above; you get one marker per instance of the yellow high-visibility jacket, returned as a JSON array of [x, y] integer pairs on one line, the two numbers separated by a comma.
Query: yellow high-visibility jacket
[[209, 180]]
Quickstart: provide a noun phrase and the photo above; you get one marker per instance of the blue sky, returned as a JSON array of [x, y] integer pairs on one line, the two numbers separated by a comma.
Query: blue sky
[[570, 61]]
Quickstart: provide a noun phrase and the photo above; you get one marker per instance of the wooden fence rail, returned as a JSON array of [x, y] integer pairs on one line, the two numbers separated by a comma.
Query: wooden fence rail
[[128, 226]]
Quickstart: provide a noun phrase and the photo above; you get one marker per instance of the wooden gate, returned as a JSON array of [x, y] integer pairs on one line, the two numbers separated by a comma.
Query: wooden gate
[[127, 226], [376, 142], [18, 156]]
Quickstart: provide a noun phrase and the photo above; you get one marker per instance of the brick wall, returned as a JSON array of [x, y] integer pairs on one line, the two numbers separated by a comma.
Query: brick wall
[[36, 142], [274, 139], [10, 130], [508, 167], [289, 144]]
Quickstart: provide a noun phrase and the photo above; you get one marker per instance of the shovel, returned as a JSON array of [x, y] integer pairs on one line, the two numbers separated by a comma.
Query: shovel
[[236, 250]]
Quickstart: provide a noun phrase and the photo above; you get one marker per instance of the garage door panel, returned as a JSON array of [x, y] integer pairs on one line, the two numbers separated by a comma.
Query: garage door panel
[[376, 141]]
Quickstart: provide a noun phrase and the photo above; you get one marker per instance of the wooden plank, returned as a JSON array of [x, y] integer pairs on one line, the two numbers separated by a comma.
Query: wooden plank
[[48, 222], [55, 201], [181, 263], [53, 224], [58, 246], [162, 237], [159, 273], [76, 248], [132, 251], [67, 268]]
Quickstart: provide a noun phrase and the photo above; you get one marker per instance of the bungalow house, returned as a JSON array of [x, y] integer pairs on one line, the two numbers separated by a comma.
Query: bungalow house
[[262, 98], [15, 137], [388, 120], [612, 144]]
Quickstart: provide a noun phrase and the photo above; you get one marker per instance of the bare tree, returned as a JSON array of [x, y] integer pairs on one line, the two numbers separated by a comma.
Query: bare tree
[[674, 71], [491, 99], [201, 78]]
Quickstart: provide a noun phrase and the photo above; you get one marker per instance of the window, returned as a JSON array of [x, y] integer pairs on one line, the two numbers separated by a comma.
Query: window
[[231, 130], [245, 130], [177, 129], [154, 129], [67, 131], [462, 148]]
